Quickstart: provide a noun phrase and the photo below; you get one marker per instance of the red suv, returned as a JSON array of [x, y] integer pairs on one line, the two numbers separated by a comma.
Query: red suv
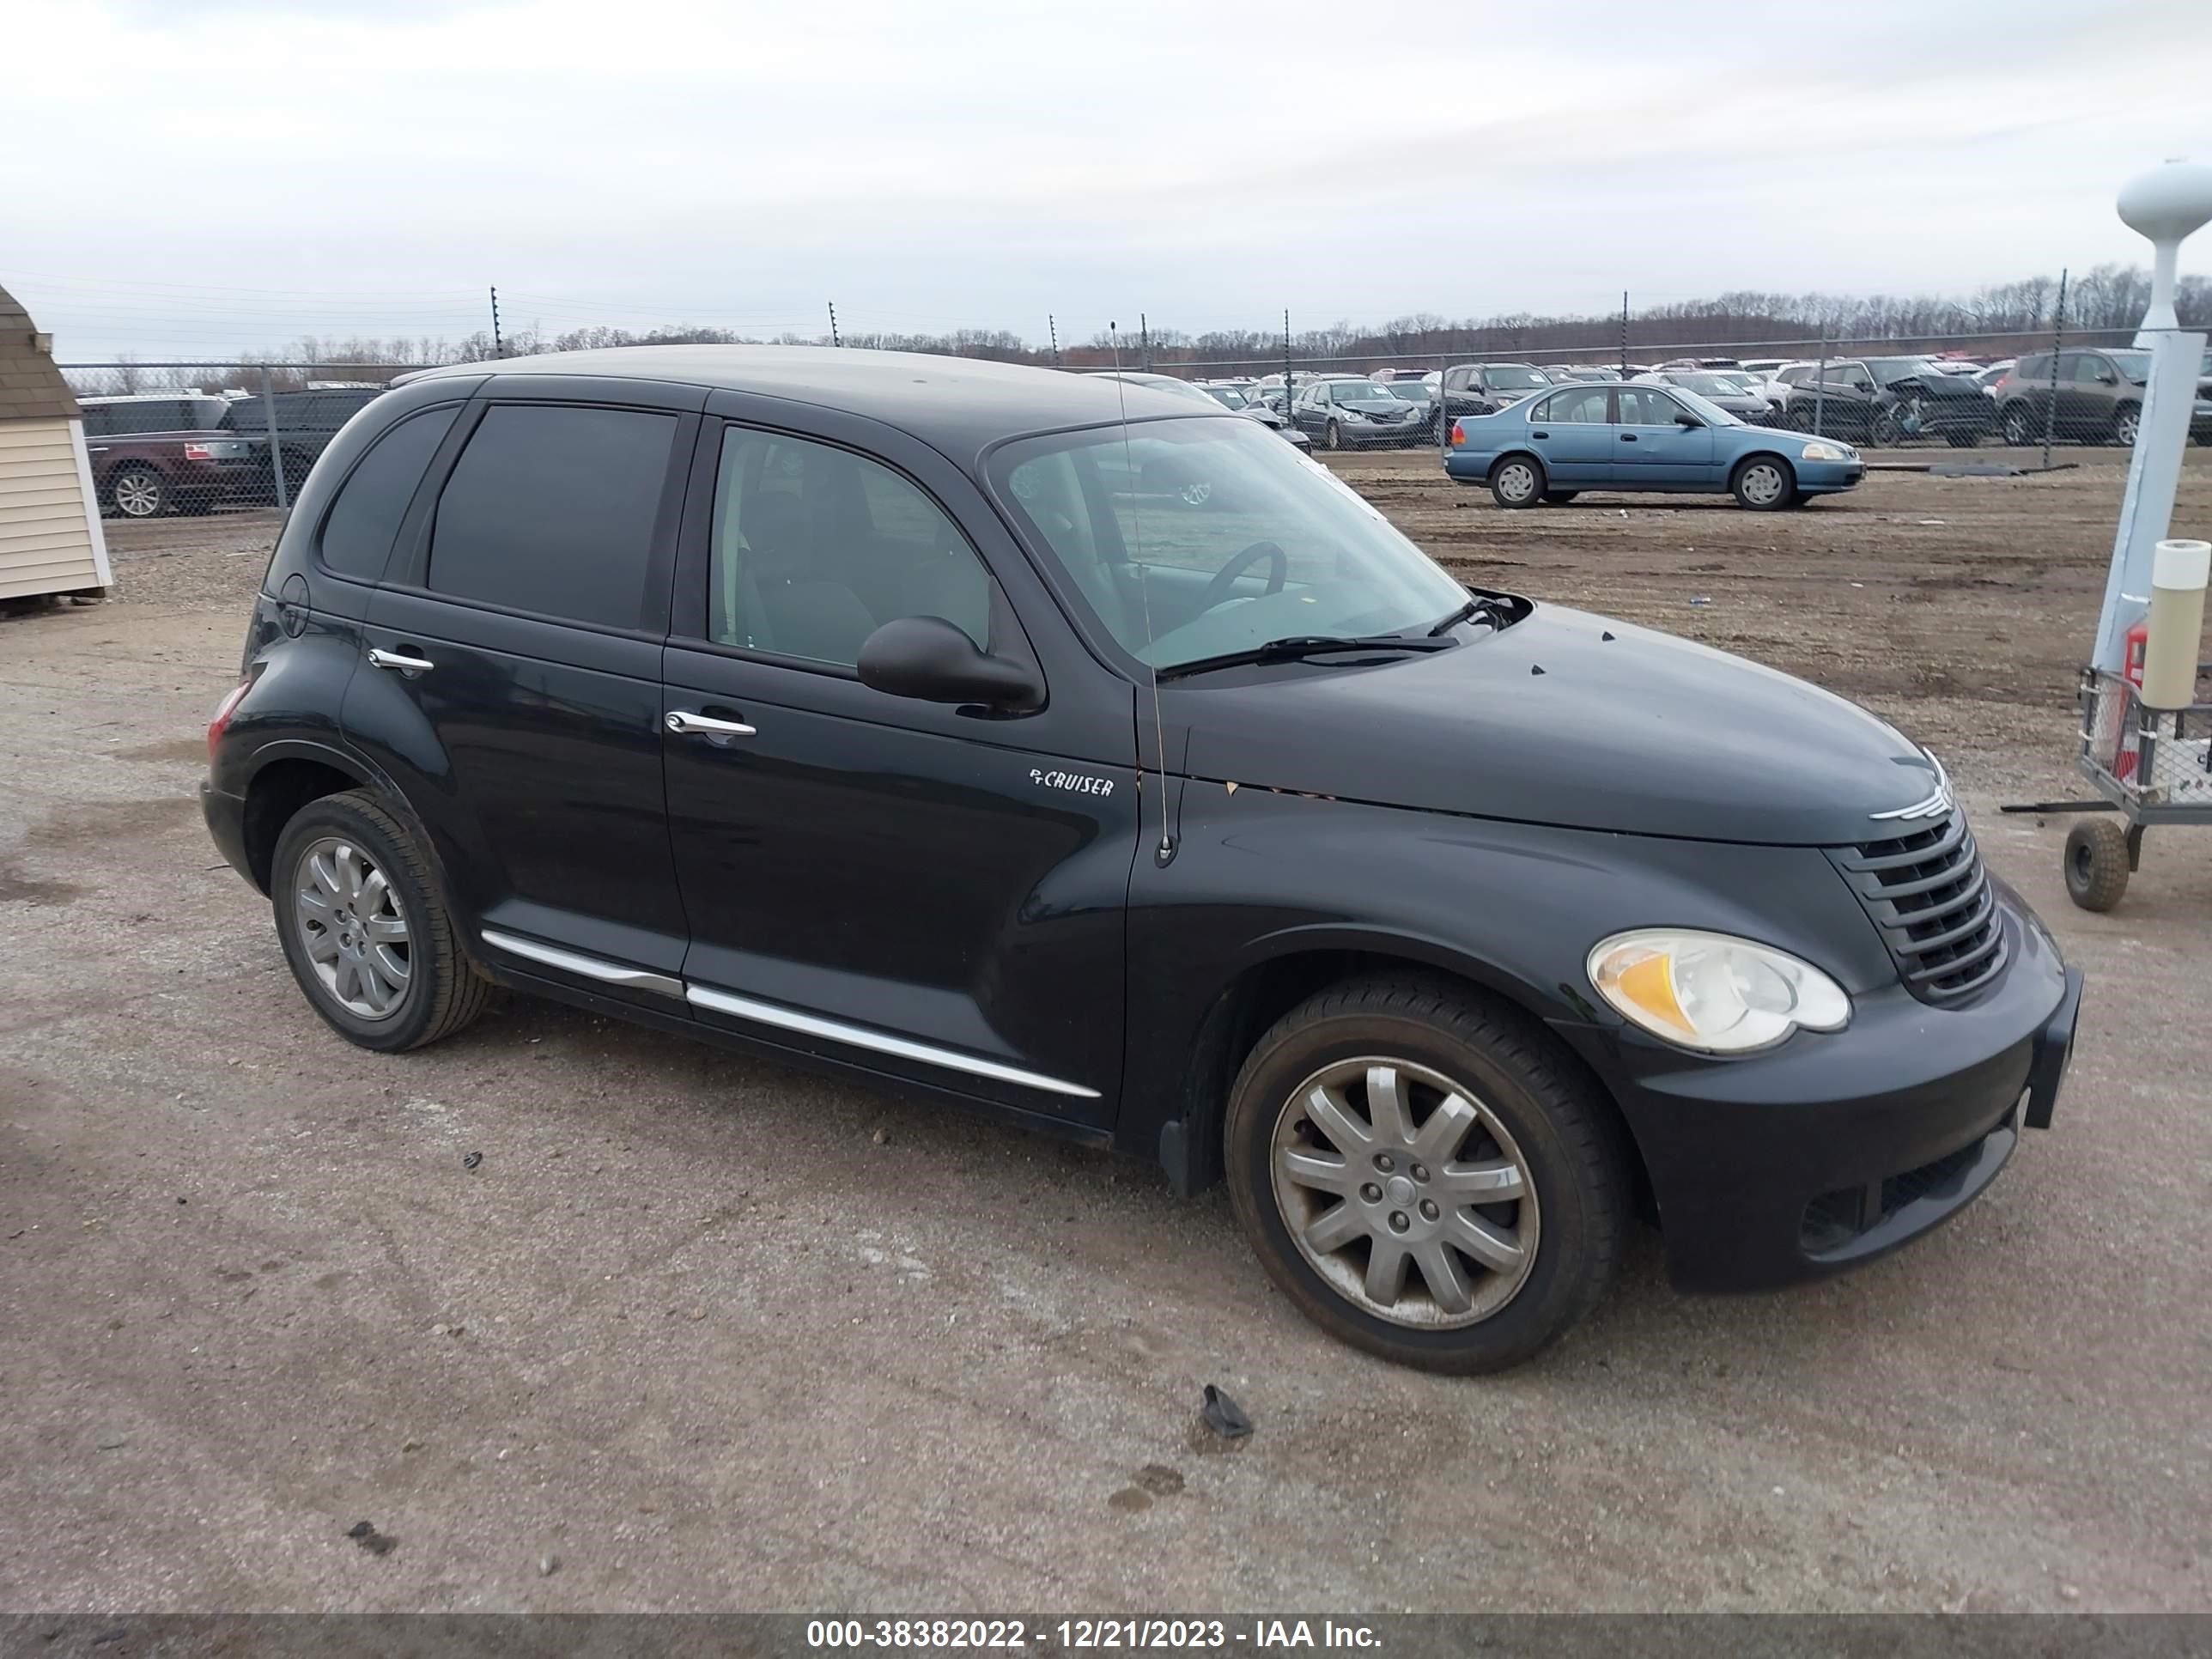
[[169, 451]]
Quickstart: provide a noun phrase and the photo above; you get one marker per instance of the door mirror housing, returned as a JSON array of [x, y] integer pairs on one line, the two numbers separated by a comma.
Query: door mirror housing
[[1683, 417], [929, 658]]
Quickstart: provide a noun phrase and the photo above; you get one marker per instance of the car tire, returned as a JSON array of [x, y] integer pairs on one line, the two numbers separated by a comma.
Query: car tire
[[1331, 437], [379, 958], [2127, 420], [1560, 497], [2016, 431], [1517, 481], [137, 492], [1763, 483], [1529, 1124], [2097, 863]]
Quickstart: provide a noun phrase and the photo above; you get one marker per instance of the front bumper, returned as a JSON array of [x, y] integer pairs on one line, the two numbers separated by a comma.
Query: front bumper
[[1825, 477], [1831, 1150], [1377, 437]]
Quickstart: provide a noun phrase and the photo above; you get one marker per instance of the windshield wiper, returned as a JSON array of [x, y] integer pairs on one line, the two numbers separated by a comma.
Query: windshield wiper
[[1500, 615], [1299, 647]]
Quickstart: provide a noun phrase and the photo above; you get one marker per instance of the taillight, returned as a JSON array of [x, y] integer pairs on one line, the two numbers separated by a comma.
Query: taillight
[[198, 452], [223, 710], [1458, 432]]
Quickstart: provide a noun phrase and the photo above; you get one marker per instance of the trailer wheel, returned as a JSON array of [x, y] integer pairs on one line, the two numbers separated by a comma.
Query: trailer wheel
[[2097, 863]]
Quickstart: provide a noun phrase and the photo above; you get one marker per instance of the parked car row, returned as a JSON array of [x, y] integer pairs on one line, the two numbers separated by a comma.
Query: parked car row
[[158, 453]]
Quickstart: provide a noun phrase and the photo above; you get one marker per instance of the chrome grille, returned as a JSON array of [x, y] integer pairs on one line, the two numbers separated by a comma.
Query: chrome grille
[[1928, 893]]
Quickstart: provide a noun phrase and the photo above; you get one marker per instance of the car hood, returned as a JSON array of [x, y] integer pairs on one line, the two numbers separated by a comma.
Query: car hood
[[1569, 718]]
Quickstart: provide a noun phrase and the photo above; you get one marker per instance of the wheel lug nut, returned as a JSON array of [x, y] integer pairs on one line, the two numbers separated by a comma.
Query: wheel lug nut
[[1420, 1172], [1429, 1211], [1372, 1193], [1398, 1222], [1384, 1163]]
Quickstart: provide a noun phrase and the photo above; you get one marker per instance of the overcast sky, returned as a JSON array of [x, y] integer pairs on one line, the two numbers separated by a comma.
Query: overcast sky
[[200, 178]]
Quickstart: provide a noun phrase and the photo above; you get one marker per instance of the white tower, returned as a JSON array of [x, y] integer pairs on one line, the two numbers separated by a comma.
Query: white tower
[[2165, 205]]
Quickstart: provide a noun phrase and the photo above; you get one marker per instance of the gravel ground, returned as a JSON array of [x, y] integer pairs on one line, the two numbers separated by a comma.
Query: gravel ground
[[704, 1333]]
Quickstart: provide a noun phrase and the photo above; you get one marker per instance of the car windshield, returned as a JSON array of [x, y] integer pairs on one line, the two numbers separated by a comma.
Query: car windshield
[[1513, 377], [1888, 371], [1711, 414], [1711, 386], [2136, 365], [1227, 395], [1191, 540], [1412, 390], [1359, 391]]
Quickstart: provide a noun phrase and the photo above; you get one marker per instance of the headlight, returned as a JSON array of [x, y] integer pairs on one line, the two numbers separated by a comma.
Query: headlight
[[1822, 452], [1711, 992]]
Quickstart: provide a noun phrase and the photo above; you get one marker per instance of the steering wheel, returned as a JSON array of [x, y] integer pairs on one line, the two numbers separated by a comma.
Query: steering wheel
[[1217, 591]]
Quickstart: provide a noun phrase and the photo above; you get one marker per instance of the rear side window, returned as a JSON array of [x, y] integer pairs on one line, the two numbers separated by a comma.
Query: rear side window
[[358, 534], [551, 509], [2033, 368]]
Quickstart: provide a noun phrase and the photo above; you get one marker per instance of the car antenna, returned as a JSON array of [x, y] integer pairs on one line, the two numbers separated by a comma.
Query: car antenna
[[1165, 850]]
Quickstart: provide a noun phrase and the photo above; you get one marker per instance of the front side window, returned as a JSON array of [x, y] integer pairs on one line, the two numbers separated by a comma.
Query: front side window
[[2091, 370], [357, 536], [551, 509], [1646, 405], [1187, 539], [815, 548]]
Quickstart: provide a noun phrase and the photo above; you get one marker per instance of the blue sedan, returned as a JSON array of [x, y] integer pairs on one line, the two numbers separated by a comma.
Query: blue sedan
[[1642, 437]]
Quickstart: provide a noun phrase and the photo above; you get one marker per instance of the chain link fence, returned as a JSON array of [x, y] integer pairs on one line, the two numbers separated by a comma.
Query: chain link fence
[[187, 437]]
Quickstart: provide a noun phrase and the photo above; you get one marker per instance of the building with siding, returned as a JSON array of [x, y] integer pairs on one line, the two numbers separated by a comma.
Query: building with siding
[[50, 530]]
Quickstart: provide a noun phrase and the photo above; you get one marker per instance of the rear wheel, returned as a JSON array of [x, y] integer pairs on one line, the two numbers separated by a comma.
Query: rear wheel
[[2016, 432], [1763, 483], [364, 931], [2127, 420], [1424, 1176], [1517, 481], [2097, 863], [137, 492]]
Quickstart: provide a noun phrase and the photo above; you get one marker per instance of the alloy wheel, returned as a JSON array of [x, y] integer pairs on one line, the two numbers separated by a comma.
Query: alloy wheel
[[1404, 1192], [2126, 425], [352, 925], [138, 495]]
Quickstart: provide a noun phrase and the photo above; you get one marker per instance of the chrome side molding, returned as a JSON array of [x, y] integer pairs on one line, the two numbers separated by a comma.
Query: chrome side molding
[[882, 1042], [572, 962]]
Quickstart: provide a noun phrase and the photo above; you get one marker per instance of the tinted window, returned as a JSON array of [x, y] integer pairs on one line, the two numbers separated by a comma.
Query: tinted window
[[358, 534], [2032, 368], [152, 415], [2090, 369], [815, 548], [551, 510], [1584, 406]]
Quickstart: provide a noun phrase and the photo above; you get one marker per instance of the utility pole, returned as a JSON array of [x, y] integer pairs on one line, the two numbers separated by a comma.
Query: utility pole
[[2057, 344], [1624, 334], [1052, 328], [1286, 361], [1144, 342], [497, 348], [834, 340]]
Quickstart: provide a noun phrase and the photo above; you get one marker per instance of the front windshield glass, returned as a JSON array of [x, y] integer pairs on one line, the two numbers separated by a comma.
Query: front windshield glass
[[1191, 540], [1510, 377], [2136, 365], [1359, 391], [1412, 390], [1227, 395], [1711, 414], [1710, 386], [1888, 371]]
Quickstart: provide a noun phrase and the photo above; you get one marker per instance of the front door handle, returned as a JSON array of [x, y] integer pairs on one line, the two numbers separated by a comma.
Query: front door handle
[[1628, 437], [407, 662], [686, 724]]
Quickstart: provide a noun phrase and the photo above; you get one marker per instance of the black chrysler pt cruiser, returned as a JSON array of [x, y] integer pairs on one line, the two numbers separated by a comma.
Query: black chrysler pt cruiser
[[1044, 743]]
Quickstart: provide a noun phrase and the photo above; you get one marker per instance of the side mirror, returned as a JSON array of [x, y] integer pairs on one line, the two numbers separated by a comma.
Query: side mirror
[[929, 658], [1683, 417]]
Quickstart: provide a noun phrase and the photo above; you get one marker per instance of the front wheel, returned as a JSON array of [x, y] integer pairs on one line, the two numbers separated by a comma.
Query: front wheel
[[2126, 423], [364, 931], [1423, 1175], [1764, 484], [1331, 437], [2016, 431], [1517, 481]]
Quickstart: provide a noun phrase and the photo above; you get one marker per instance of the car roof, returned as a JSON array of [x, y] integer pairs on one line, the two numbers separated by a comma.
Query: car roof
[[153, 398], [957, 404]]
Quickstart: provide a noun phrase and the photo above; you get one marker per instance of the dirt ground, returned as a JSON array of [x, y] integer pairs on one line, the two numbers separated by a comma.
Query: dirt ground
[[701, 1332]]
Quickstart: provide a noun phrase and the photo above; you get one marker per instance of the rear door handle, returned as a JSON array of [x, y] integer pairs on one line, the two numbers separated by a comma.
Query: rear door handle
[[1628, 437], [1540, 434], [407, 662], [687, 723]]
